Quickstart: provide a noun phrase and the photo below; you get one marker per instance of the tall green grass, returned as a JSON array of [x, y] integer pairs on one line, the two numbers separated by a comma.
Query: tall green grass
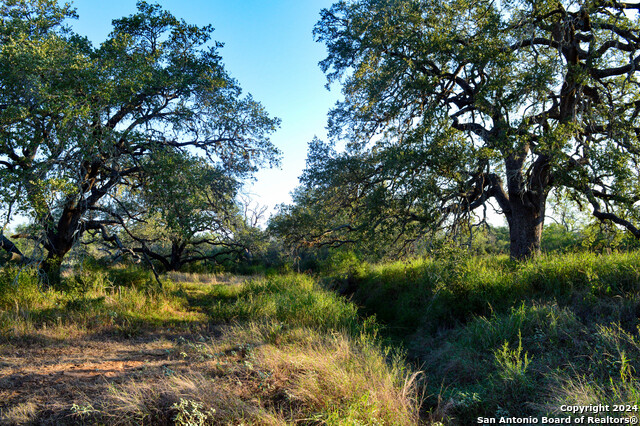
[[291, 299], [434, 293], [285, 350], [497, 338], [122, 300]]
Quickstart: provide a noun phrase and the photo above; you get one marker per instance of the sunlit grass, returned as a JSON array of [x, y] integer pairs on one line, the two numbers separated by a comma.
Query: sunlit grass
[[101, 305], [286, 350], [500, 338]]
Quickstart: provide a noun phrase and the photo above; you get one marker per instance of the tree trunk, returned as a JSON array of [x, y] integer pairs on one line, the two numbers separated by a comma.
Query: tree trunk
[[525, 229], [60, 241], [525, 206], [52, 268], [177, 250]]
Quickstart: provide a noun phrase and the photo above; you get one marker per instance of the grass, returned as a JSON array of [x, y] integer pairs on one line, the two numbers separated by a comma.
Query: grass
[[498, 338], [287, 299], [202, 350], [88, 302], [493, 338]]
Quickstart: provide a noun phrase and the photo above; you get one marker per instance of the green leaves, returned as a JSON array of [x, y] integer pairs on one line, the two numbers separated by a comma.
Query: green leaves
[[151, 114], [501, 101]]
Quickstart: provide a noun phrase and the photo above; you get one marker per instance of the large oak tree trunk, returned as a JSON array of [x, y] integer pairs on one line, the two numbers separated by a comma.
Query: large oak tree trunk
[[526, 203], [60, 240], [52, 268], [525, 231], [52, 265], [177, 250]]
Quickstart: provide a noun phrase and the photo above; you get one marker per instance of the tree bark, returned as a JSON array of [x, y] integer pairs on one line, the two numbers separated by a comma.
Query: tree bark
[[525, 230], [176, 261], [60, 240], [526, 203]]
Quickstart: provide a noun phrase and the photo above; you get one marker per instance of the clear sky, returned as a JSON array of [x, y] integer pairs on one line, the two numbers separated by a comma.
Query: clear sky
[[269, 49]]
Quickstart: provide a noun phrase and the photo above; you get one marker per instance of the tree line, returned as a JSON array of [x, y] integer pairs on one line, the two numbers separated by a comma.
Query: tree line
[[141, 142], [451, 108]]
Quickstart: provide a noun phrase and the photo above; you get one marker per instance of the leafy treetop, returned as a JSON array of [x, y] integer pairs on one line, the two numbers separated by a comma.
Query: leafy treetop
[[79, 123], [452, 104]]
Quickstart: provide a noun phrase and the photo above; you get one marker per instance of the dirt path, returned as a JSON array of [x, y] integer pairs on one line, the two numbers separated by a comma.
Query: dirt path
[[52, 376]]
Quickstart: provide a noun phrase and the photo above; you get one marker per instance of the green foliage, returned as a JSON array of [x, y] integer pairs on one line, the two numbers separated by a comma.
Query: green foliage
[[500, 338], [86, 281], [287, 299], [123, 301], [191, 413], [513, 366], [189, 217], [548, 324], [557, 238], [427, 293], [450, 104], [341, 262], [18, 287], [433, 292], [131, 276], [94, 135]]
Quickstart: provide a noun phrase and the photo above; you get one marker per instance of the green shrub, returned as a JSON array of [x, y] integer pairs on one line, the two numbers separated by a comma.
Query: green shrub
[[512, 364], [85, 281]]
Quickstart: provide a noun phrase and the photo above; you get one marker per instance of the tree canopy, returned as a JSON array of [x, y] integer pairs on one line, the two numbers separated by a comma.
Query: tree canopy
[[176, 218], [453, 104], [82, 126]]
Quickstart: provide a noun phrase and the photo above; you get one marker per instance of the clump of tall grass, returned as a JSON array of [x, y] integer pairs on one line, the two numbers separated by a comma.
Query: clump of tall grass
[[612, 380], [291, 299], [89, 300], [601, 275], [499, 338], [250, 376], [342, 380]]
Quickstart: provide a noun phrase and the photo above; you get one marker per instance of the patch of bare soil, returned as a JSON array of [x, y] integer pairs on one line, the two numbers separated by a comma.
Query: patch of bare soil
[[41, 379]]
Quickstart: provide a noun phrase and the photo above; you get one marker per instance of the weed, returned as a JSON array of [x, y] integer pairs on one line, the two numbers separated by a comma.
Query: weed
[[82, 410], [511, 363], [191, 413]]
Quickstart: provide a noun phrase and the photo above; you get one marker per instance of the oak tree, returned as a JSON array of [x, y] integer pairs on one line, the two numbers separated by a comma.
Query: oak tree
[[177, 218], [80, 124], [453, 104]]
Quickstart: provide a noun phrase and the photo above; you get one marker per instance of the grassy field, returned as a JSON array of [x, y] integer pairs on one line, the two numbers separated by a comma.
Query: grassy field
[[111, 348], [480, 337], [499, 339]]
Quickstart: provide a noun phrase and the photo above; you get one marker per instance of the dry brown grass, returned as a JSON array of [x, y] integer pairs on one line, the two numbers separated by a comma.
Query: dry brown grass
[[220, 278], [300, 376], [233, 375], [91, 368], [344, 381], [22, 413]]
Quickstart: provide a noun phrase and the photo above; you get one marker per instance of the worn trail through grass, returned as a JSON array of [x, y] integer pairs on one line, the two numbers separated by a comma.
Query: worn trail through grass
[[62, 372], [275, 350]]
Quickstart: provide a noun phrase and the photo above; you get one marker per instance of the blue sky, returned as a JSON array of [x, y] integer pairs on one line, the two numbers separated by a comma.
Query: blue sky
[[269, 49]]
